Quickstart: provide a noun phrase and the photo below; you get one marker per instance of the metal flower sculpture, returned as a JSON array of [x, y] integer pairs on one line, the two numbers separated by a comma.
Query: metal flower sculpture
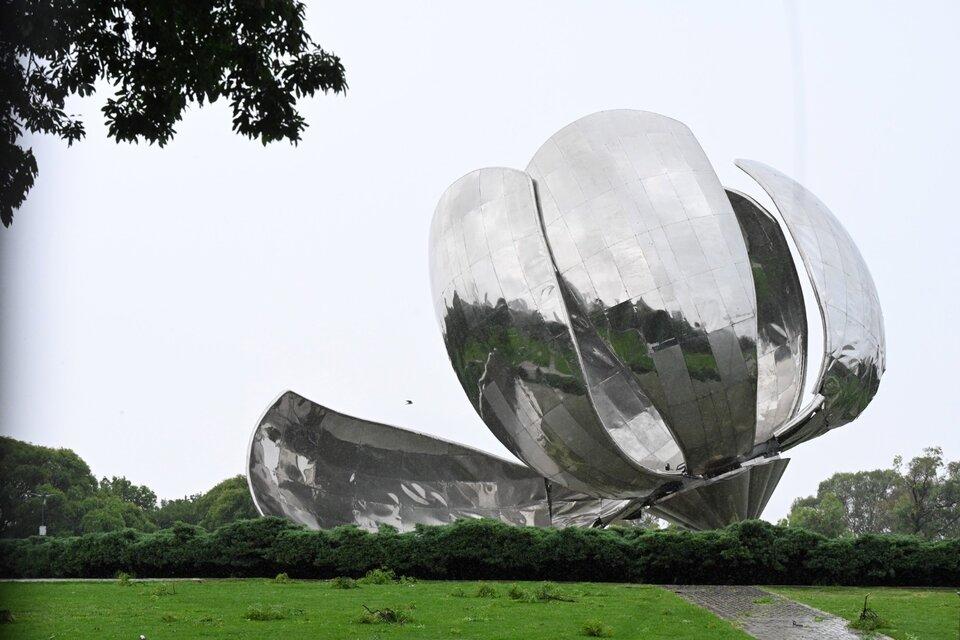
[[629, 329]]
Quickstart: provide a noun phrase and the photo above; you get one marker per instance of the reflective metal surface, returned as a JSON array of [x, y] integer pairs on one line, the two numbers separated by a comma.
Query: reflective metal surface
[[854, 357], [781, 316], [644, 236], [738, 495], [524, 352], [323, 469], [629, 329]]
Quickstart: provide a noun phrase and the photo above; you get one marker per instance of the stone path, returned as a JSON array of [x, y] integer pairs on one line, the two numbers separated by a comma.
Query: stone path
[[768, 616]]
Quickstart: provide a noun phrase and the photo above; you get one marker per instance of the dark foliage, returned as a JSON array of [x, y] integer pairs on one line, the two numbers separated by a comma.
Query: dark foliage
[[225, 502], [158, 57], [36, 479], [139, 495], [55, 486], [747, 553]]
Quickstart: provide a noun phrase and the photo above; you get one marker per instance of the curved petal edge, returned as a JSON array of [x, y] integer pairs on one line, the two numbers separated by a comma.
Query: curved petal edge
[[854, 343]]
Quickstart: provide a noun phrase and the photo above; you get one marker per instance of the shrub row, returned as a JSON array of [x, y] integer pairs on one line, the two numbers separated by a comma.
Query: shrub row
[[746, 553]]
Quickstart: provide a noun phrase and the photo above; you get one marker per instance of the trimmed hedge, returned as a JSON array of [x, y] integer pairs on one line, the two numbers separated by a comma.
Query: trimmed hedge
[[752, 552]]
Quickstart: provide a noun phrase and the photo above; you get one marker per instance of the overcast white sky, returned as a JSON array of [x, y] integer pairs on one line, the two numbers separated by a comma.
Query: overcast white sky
[[155, 301]]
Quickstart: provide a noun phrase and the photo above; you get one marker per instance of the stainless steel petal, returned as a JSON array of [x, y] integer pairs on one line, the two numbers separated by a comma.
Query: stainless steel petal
[[519, 350], [764, 480], [781, 316], [646, 241], [322, 468], [573, 509], [854, 358], [734, 496]]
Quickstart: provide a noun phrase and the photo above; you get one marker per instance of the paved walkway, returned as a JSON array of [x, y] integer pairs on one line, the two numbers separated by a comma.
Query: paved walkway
[[768, 616]]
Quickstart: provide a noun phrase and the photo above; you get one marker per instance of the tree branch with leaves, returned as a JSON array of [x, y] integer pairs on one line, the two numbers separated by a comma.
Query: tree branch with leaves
[[159, 57]]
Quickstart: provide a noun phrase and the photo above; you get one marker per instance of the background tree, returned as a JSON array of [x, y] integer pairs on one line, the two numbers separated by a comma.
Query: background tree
[[929, 504], [227, 502], [124, 490], [158, 57], [824, 516], [76, 503], [922, 499], [178, 510], [950, 501], [868, 498], [106, 512], [29, 472]]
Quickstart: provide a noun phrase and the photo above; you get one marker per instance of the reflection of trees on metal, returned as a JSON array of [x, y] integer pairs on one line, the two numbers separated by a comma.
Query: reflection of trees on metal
[[632, 331], [323, 468]]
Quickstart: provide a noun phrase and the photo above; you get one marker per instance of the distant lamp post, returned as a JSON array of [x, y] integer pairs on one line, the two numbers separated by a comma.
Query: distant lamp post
[[43, 511]]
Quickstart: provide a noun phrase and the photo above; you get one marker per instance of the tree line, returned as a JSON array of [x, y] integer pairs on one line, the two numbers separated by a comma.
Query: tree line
[[56, 487], [921, 497]]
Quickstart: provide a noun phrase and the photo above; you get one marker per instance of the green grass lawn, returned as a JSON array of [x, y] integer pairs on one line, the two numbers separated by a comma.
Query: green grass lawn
[[912, 614], [314, 609]]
